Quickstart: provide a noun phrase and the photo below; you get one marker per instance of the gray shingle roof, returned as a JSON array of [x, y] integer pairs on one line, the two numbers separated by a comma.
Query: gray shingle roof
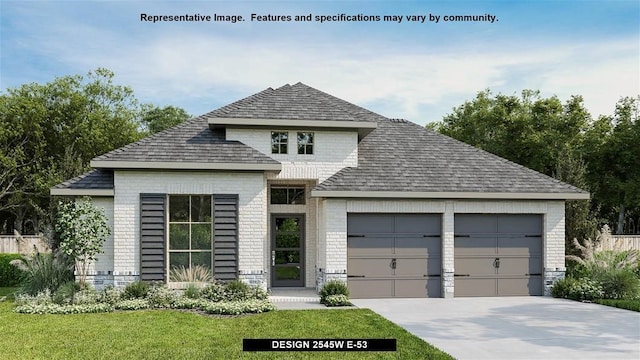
[[94, 179], [191, 142], [402, 156], [294, 102]]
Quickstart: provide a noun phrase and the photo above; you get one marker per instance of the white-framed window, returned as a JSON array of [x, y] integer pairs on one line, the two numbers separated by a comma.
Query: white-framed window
[[190, 240], [305, 143], [279, 142]]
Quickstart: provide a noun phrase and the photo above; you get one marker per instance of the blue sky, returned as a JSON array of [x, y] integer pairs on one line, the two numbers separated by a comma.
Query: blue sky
[[417, 71]]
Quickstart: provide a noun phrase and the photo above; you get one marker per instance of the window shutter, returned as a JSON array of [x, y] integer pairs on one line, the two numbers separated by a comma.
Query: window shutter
[[153, 229], [225, 235]]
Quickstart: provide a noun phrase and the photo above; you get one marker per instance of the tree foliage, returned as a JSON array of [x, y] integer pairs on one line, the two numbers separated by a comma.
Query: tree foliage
[[156, 119], [49, 133], [83, 229], [561, 140]]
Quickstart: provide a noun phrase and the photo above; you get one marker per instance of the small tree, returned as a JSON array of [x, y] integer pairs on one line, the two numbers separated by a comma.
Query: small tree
[[83, 229]]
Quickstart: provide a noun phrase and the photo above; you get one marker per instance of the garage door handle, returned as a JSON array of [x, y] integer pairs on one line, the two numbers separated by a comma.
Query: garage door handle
[[462, 235], [393, 263], [532, 274], [496, 263], [431, 236], [533, 236], [355, 236], [430, 276], [355, 276], [459, 275]]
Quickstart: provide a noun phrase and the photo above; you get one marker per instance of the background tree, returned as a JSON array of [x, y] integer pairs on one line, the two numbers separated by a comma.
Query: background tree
[[156, 119], [612, 151], [49, 133]]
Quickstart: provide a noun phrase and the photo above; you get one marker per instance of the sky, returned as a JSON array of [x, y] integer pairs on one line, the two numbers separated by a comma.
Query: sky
[[413, 70]]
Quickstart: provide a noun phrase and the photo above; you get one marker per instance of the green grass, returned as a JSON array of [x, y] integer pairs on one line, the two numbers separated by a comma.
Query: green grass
[[168, 334], [633, 305]]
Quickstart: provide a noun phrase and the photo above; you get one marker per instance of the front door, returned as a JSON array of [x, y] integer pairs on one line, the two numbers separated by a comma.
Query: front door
[[287, 250]]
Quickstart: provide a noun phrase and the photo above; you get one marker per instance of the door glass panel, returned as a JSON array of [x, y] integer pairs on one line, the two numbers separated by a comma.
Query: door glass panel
[[178, 237], [201, 236], [287, 257], [287, 273], [288, 224], [287, 240]]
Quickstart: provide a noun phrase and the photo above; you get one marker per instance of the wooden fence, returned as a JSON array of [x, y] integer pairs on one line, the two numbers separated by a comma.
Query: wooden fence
[[11, 244], [619, 242]]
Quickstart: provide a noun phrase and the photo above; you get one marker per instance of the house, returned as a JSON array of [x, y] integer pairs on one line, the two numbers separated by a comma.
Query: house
[[294, 187]]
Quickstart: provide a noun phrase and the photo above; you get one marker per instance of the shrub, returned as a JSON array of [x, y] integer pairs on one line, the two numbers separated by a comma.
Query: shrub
[[238, 307], [135, 290], [10, 275], [192, 292], [191, 274], [40, 298], [62, 309], [619, 284], [577, 289], [633, 305], [161, 296], [237, 290], [44, 271], [109, 295], [213, 292], [65, 293], [132, 304], [333, 287], [337, 300], [85, 297]]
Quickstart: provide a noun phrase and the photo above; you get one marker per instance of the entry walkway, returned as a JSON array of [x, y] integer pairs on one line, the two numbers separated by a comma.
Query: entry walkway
[[295, 299], [516, 327]]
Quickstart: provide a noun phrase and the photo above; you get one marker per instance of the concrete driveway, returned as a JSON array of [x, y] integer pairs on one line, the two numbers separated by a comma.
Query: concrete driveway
[[516, 327]]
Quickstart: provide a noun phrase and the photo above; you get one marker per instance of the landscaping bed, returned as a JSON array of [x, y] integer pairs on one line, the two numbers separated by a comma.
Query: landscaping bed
[[633, 305]]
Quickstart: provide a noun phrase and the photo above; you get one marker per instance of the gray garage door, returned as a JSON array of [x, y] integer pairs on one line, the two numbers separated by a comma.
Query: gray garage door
[[393, 255], [498, 255]]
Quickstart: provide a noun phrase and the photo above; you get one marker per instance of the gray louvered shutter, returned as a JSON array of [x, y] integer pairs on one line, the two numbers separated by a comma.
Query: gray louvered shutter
[[225, 235], [153, 228]]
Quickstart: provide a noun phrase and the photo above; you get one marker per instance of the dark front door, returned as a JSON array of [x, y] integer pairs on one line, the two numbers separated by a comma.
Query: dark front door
[[287, 250]]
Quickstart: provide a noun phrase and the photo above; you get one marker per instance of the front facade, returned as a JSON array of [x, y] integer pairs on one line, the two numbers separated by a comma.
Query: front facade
[[293, 187]]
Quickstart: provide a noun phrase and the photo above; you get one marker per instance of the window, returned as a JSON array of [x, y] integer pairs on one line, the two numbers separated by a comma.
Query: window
[[190, 231], [305, 143], [287, 195], [279, 142]]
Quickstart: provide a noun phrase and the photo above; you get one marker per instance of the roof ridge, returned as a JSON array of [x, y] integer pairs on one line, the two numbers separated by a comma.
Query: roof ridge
[[234, 105]]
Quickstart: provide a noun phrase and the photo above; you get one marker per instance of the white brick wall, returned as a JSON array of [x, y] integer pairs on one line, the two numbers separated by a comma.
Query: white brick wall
[[335, 244], [332, 151], [104, 260], [251, 188]]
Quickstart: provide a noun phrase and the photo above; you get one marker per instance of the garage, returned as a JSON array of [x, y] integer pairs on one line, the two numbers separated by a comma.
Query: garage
[[394, 255], [498, 255]]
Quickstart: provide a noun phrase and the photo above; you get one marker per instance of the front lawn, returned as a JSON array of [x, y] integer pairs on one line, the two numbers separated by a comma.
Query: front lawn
[[633, 305], [163, 334]]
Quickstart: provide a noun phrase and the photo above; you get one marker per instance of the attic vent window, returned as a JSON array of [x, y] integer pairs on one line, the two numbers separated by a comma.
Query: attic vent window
[[305, 143], [287, 195], [279, 142]]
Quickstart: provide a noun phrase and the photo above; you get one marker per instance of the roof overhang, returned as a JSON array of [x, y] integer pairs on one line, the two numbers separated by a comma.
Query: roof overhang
[[449, 195], [363, 127], [165, 165], [81, 192]]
